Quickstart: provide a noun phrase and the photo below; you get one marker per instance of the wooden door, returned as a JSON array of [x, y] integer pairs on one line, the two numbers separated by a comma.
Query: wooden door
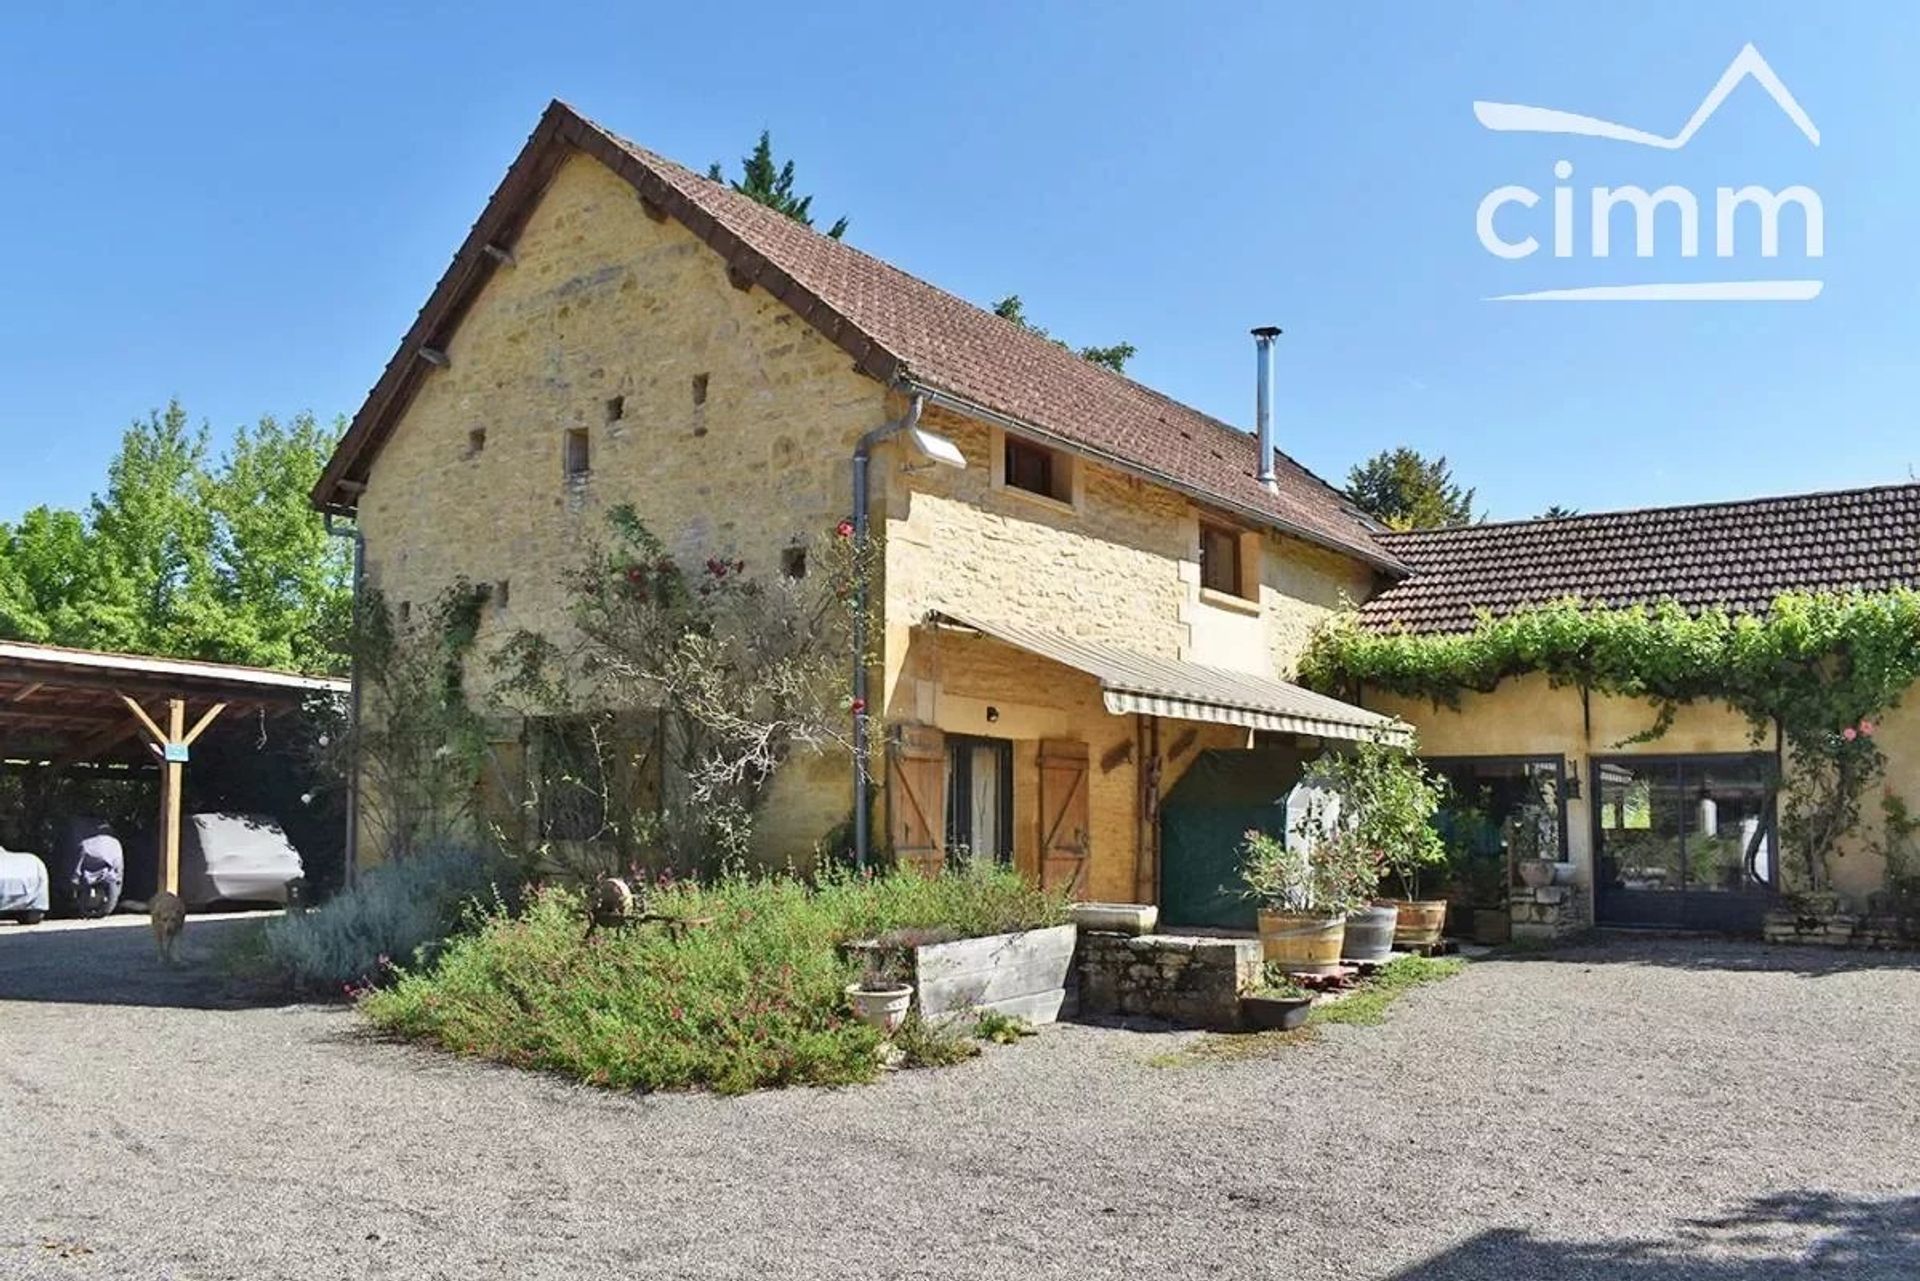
[[1065, 840], [917, 799]]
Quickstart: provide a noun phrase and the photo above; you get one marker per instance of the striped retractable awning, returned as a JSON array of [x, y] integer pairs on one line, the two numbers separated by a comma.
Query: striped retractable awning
[[1169, 687]]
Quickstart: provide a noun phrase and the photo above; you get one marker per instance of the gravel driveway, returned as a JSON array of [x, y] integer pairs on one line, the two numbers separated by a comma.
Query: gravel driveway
[[1646, 1110]]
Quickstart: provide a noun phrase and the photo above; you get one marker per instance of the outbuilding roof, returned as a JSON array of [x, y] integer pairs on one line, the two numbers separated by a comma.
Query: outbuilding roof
[[1736, 555], [898, 329], [71, 705]]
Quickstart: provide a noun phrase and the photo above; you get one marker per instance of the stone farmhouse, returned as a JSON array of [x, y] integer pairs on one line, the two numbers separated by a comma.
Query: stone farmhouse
[[1112, 589]]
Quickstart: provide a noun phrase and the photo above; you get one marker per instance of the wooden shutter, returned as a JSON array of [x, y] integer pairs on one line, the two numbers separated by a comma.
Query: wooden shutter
[[500, 791], [917, 799], [1065, 842]]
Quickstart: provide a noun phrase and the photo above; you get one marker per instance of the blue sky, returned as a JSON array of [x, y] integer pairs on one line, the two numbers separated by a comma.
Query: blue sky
[[243, 206]]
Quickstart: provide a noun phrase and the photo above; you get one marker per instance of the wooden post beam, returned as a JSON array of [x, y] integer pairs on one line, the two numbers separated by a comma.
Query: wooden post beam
[[172, 774], [140, 713], [200, 725]]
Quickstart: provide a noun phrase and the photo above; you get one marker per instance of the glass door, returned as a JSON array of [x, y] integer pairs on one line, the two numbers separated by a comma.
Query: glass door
[[1683, 842], [979, 799]]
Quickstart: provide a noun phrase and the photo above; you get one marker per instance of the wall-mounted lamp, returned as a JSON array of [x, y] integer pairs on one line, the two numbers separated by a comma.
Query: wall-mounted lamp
[[993, 714]]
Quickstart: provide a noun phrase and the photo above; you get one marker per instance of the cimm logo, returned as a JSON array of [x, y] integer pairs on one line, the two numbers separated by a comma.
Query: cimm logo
[[1745, 220]]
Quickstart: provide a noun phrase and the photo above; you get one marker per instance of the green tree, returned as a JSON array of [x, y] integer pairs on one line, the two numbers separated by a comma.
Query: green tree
[[151, 541], [45, 562], [1114, 357], [1405, 490], [182, 558], [1557, 512], [764, 179], [280, 580]]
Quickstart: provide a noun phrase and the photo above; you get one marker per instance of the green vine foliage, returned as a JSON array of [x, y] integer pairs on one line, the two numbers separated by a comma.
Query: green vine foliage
[[1821, 668]]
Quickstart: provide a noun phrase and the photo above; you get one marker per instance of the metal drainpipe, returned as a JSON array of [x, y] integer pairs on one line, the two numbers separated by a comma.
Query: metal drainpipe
[[353, 698], [862, 453]]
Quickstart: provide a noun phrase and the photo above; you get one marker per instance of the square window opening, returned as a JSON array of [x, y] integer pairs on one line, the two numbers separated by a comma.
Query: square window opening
[[1038, 470], [700, 389], [793, 562], [616, 408], [476, 441]]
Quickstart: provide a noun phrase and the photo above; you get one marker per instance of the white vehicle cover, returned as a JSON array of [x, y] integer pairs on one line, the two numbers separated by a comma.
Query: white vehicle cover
[[23, 882], [89, 866], [239, 857]]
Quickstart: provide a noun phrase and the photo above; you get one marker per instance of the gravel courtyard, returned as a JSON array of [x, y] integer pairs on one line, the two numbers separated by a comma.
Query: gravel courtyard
[[1638, 1109]]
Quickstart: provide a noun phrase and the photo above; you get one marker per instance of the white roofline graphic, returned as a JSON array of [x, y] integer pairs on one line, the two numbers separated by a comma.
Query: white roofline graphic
[[1509, 117]]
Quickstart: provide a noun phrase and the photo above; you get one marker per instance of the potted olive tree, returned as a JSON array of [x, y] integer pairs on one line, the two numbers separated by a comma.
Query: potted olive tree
[[1304, 889], [1388, 800]]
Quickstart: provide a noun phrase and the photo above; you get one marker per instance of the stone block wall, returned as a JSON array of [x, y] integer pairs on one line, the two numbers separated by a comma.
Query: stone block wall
[[1551, 912], [1835, 929], [1191, 981]]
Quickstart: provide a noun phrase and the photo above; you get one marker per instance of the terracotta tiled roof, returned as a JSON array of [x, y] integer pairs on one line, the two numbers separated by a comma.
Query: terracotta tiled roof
[[1738, 555], [899, 329]]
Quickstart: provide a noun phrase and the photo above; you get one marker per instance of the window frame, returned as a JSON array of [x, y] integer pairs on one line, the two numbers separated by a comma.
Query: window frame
[[1247, 572], [576, 441], [1063, 470], [1439, 762], [959, 749], [1688, 767]]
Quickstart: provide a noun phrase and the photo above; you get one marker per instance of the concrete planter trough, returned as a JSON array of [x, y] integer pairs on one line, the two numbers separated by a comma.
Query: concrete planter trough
[[1023, 974]]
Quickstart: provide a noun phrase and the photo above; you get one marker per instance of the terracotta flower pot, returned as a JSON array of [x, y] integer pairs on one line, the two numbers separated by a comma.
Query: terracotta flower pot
[[1303, 944], [1420, 921]]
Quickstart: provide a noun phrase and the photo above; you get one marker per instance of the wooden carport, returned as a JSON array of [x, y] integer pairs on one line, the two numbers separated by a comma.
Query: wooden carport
[[66, 708]]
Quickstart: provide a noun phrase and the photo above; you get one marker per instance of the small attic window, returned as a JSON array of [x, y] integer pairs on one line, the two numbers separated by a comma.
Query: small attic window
[[616, 408], [577, 453], [793, 562], [476, 441], [1038, 470]]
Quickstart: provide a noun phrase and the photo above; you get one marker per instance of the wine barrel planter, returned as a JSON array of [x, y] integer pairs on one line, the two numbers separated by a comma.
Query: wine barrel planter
[[1370, 933], [1303, 944], [1420, 921]]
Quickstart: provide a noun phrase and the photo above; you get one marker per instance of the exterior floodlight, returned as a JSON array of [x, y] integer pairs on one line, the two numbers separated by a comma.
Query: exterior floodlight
[[937, 448]]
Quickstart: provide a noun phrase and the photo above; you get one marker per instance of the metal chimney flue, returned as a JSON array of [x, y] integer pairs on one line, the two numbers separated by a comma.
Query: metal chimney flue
[[1263, 402]]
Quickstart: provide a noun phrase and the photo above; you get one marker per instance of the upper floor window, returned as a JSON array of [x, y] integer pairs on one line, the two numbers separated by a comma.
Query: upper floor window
[[1038, 470], [1220, 561]]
